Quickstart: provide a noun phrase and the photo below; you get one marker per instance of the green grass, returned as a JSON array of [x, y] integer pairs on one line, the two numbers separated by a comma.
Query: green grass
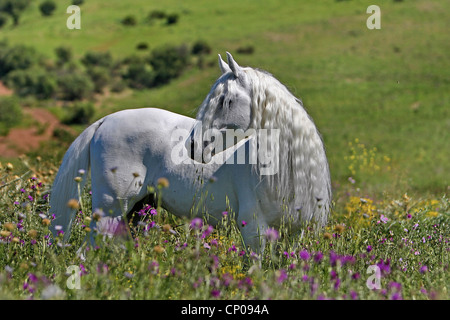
[[169, 258], [387, 87]]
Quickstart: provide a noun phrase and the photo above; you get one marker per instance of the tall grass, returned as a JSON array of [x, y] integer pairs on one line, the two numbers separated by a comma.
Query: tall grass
[[405, 239]]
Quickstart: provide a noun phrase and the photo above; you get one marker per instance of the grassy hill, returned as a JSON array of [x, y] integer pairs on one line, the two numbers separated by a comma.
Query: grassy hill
[[387, 88]]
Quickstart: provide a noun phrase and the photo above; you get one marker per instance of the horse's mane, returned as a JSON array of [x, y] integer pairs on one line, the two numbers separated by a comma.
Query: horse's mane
[[302, 184]]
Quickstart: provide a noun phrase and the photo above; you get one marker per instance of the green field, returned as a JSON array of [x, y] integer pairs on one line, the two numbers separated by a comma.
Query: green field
[[387, 87], [380, 98]]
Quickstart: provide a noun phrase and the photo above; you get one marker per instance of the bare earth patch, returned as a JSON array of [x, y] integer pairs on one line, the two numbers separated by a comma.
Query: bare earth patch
[[23, 140]]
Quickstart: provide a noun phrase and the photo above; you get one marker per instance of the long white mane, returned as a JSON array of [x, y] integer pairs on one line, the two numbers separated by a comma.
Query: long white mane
[[302, 184]]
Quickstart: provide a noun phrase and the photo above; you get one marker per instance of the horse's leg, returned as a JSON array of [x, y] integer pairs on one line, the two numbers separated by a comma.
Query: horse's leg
[[114, 193], [253, 231]]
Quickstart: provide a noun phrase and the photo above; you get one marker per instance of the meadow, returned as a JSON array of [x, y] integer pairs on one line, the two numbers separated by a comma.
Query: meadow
[[380, 99]]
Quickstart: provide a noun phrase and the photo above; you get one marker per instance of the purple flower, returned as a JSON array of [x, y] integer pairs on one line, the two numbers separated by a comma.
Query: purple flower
[[244, 223], [318, 257], [196, 223], [281, 275], [423, 269], [304, 254], [271, 235]]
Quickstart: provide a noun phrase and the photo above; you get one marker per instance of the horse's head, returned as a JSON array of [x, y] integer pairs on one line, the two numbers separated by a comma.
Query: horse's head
[[226, 107]]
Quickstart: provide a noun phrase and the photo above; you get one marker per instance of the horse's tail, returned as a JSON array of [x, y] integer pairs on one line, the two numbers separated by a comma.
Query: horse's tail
[[65, 187]]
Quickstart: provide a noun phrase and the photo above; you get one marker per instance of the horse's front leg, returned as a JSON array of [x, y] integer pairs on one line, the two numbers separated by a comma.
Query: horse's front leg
[[252, 226]]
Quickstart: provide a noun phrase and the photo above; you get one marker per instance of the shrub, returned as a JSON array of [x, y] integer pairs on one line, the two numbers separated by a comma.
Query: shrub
[[10, 114], [172, 18], [249, 49], [63, 55], [100, 77], [101, 59], [47, 7], [139, 76], [142, 46], [34, 81], [168, 62], [3, 19], [75, 86], [156, 14], [16, 58], [129, 21], [77, 2], [79, 113], [201, 47]]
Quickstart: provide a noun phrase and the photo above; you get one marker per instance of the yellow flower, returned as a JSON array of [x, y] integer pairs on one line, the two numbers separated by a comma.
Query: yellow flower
[[432, 213], [73, 204], [9, 226], [5, 233], [158, 249], [163, 182]]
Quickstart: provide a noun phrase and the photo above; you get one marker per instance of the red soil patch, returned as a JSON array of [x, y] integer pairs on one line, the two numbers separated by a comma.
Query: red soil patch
[[23, 140], [4, 91]]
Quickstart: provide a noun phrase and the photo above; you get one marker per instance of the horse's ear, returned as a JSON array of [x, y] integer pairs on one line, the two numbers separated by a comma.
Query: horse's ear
[[235, 68], [224, 67]]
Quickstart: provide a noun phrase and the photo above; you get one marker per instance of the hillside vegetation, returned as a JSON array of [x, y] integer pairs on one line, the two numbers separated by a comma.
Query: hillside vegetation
[[380, 99]]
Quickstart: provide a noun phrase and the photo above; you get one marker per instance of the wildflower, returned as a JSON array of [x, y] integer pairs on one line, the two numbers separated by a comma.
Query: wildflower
[[215, 293], [196, 223], [81, 172], [158, 249], [207, 231], [339, 228], [423, 269], [281, 275], [318, 257], [73, 204], [10, 226], [33, 233], [163, 182], [384, 219], [46, 222], [78, 179], [327, 235], [97, 214], [271, 235], [369, 248], [304, 255], [153, 267], [243, 223]]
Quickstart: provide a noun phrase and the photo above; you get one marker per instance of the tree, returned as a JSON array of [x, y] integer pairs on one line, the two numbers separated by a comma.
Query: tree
[[14, 8], [47, 7]]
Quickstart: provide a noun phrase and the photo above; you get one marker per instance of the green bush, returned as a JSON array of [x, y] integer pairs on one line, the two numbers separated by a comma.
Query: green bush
[[47, 7], [63, 55], [101, 59], [201, 47], [10, 114], [3, 19], [75, 86], [168, 63], [129, 21], [79, 113], [172, 18], [16, 58], [34, 81], [77, 2], [100, 77], [139, 76]]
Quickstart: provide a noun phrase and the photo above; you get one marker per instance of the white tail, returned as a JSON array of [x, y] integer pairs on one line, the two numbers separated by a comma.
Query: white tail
[[64, 187]]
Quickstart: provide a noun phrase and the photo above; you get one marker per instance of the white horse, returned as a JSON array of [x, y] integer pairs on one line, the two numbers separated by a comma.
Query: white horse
[[129, 151]]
